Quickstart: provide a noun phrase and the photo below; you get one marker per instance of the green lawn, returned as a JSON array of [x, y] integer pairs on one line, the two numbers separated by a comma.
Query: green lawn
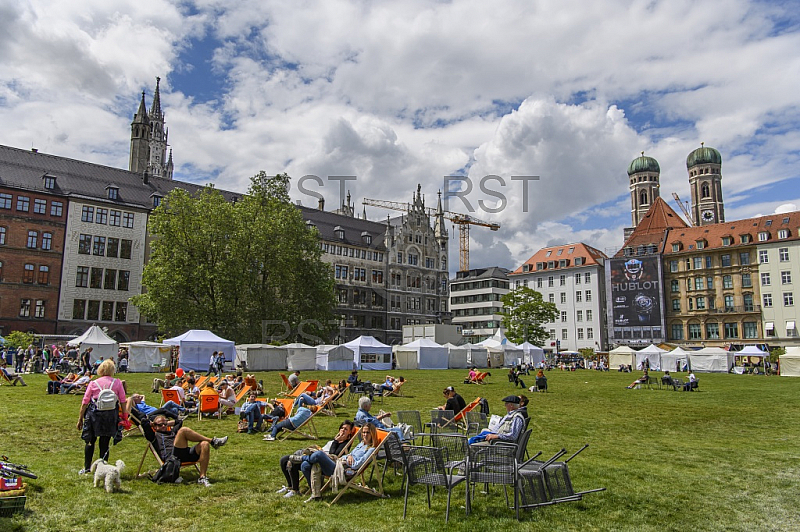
[[724, 458]]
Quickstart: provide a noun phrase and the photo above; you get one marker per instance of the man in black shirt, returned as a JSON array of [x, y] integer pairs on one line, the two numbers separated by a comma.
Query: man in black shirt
[[454, 402]]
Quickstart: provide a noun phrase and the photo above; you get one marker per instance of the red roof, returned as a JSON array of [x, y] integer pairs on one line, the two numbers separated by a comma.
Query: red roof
[[654, 227], [568, 252]]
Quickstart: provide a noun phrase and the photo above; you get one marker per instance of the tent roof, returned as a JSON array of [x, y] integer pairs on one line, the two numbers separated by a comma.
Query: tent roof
[[298, 345], [678, 351], [623, 350], [751, 350], [710, 351], [422, 342], [365, 341], [451, 345], [94, 335], [197, 335], [792, 350], [143, 343], [652, 348]]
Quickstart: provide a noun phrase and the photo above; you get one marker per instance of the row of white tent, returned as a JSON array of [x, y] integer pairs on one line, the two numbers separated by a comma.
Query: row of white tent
[[706, 360]]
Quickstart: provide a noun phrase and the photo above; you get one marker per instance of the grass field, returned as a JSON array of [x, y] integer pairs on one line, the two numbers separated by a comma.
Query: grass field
[[723, 458]]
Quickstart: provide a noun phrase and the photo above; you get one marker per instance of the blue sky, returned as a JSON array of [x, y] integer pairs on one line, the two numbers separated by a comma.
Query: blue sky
[[409, 92]]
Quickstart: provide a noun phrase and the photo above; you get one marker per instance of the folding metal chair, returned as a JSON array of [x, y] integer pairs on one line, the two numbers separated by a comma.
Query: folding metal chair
[[427, 466], [493, 464], [414, 420]]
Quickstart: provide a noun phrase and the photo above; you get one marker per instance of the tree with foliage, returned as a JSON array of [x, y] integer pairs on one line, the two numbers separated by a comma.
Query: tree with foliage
[[19, 339], [232, 267], [524, 314]]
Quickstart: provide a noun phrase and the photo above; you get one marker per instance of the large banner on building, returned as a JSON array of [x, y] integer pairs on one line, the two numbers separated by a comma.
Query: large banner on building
[[635, 303]]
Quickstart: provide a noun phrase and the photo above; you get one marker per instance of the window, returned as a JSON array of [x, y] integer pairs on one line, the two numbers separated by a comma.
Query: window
[[588, 315], [562, 280], [712, 331], [710, 283], [399, 258], [99, 245], [677, 331], [85, 244], [676, 305], [748, 302], [698, 263], [725, 260], [1, 270], [123, 280], [377, 276], [125, 249], [564, 334], [552, 334], [5, 201], [107, 311], [563, 316], [744, 258], [551, 298], [38, 311], [589, 334], [691, 303], [788, 299], [539, 282], [93, 311], [588, 296], [763, 236], [675, 286], [27, 273], [112, 247], [747, 280], [727, 281], [763, 256], [56, 208], [39, 206], [676, 248], [579, 315], [23, 204], [765, 280], [783, 254], [731, 330], [25, 308], [2, 236], [783, 233], [113, 193], [700, 303], [729, 303], [673, 266], [127, 220], [413, 259], [699, 283], [695, 331], [110, 279], [87, 214], [767, 300], [580, 333], [786, 277], [114, 218], [750, 329], [44, 275], [47, 241], [33, 238], [78, 309], [700, 244], [727, 241], [82, 277], [102, 216], [578, 296], [550, 281], [96, 278], [577, 278], [563, 297]]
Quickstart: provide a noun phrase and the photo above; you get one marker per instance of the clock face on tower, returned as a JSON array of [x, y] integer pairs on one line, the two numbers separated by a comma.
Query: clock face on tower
[[708, 216]]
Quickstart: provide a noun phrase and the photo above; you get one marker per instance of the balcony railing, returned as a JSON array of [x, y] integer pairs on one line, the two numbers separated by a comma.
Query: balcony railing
[[735, 309]]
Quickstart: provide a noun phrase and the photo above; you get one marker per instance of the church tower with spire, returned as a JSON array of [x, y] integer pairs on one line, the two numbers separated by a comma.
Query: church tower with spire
[[149, 139]]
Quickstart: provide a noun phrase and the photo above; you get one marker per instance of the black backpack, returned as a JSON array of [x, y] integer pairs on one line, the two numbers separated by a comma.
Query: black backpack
[[485, 407], [169, 471]]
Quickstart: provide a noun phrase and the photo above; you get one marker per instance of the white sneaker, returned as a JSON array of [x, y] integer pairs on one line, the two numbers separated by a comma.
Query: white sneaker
[[269, 437], [283, 489], [83, 471], [290, 493], [203, 481]]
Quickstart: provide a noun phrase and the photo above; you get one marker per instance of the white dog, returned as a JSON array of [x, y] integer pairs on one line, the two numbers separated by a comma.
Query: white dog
[[108, 473]]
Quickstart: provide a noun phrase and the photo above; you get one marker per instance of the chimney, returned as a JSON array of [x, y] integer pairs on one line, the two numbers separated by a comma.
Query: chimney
[[145, 177], [321, 205], [35, 150]]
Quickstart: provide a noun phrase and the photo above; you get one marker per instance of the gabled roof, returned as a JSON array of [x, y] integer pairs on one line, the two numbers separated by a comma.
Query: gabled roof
[[591, 256], [654, 228]]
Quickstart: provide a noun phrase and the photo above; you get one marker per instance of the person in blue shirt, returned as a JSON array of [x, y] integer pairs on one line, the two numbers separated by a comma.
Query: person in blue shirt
[[300, 416], [352, 462], [170, 407], [251, 410], [510, 426], [363, 416]]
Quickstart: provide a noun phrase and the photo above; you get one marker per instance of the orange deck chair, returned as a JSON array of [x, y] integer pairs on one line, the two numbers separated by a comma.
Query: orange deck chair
[[358, 481]]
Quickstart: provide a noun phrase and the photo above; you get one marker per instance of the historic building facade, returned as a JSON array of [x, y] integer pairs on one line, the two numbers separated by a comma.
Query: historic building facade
[[778, 249], [149, 140]]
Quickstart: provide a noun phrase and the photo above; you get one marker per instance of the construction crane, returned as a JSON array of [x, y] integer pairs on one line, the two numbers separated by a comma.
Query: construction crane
[[683, 208], [463, 221]]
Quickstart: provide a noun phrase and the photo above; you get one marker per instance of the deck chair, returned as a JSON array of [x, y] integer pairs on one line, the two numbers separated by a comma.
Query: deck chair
[[286, 387], [242, 392], [397, 392], [358, 480], [288, 404], [300, 389], [152, 450], [209, 402], [157, 367], [480, 377], [303, 429], [460, 419], [170, 395]]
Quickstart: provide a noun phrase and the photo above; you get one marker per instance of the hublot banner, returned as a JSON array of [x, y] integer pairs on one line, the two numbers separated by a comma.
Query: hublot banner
[[636, 299]]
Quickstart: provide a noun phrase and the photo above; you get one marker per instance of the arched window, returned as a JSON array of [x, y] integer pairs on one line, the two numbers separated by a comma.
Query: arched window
[[643, 198], [704, 191]]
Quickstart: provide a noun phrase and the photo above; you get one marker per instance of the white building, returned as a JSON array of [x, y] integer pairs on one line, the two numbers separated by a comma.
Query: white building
[[475, 301], [778, 247], [571, 276]]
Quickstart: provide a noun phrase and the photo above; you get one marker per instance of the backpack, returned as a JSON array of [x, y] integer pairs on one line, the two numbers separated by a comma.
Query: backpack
[[485, 407], [107, 399], [169, 472]]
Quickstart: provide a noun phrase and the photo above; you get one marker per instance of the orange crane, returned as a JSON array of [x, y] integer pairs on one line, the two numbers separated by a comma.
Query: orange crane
[[683, 208], [463, 221]]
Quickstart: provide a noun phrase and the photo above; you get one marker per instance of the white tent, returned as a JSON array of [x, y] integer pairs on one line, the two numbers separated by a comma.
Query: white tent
[[196, 346], [142, 356], [711, 360], [651, 353], [369, 353], [421, 354], [477, 355], [622, 355], [300, 357], [790, 362], [334, 358], [531, 354], [456, 356], [102, 345], [261, 357], [502, 351], [674, 360]]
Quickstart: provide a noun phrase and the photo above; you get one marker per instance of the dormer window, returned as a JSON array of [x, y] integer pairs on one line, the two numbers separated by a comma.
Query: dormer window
[[727, 240], [763, 236], [339, 232], [701, 244], [310, 225], [156, 200], [526, 268], [746, 239], [49, 182], [676, 247], [112, 192], [783, 233], [540, 265], [366, 237]]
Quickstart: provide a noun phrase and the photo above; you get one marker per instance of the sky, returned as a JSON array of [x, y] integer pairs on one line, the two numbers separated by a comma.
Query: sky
[[405, 93]]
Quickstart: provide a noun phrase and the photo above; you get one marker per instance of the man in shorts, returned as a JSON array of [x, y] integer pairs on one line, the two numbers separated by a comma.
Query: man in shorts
[[170, 438]]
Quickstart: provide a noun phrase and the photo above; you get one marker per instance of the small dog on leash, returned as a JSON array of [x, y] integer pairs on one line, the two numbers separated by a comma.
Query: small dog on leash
[[104, 472]]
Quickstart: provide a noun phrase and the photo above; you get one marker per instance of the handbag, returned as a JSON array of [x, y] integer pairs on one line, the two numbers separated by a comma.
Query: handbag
[[242, 426]]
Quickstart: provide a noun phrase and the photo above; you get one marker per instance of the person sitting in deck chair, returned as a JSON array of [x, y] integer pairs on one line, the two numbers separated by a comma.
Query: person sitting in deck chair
[[454, 402], [12, 377], [170, 438], [227, 397], [294, 379], [83, 380], [137, 402], [641, 380], [251, 411], [363, 416], [300, 416], [510, 425]]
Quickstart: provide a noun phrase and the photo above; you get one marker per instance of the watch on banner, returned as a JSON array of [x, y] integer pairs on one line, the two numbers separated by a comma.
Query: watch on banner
[[643, 305]]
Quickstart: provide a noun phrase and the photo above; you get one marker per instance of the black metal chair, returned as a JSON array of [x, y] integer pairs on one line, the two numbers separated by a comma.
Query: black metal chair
[[414, 420], [426, 466], [493, 464], [555, 476], [456, 447], [476, 421], [439, 418]]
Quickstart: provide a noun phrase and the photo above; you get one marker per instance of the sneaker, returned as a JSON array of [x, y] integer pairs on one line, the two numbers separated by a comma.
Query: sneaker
[[83, 471], [269, 437], [216, 443], [289, 494], [283, 489], [312, 499], [203, 481]]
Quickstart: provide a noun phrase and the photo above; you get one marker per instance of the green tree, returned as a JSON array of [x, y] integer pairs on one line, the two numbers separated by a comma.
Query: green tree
[[231, 267], [19, 339], [524, 314]]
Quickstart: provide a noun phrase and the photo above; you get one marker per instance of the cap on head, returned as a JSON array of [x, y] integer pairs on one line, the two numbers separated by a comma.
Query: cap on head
[[449, 389], [511, 399]]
